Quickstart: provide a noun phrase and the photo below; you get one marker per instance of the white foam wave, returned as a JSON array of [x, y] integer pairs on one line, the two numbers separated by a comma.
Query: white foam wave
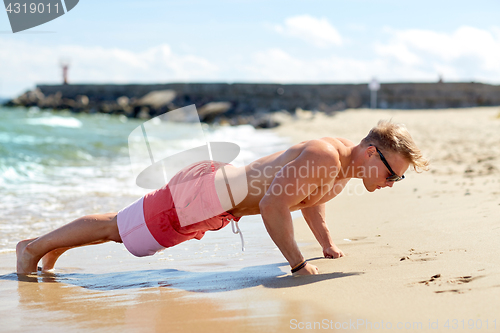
[[56, 121], [39, 197]]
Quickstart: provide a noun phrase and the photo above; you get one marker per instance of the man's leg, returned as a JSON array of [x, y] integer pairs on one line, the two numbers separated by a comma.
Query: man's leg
[[87, 230]]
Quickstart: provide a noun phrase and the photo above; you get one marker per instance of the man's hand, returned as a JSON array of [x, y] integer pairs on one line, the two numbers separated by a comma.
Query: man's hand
[[333, 252], [308, 269]]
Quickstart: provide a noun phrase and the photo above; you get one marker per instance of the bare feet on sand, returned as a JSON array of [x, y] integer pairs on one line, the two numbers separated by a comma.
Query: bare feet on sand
[[26, 262], [49, 260]]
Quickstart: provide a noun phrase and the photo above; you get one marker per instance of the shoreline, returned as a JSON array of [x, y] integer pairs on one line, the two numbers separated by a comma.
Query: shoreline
[[262, 105], [420, 252]]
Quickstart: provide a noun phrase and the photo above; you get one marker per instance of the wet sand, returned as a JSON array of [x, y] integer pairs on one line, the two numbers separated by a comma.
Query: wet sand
[[419, 256]]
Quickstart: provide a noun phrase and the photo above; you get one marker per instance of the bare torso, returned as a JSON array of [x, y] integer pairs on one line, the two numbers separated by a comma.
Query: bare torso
[[261, 173]]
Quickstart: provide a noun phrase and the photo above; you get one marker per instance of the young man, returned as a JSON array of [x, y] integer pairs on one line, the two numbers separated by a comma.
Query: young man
[[304, 177]]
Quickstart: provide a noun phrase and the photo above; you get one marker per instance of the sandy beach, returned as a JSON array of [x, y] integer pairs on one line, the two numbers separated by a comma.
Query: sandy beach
[[420, 256]]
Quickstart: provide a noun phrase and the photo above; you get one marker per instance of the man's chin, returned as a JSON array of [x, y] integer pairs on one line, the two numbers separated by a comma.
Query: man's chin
[[370, 189]]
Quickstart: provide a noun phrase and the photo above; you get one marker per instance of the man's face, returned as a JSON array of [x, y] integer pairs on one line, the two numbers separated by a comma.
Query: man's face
[[377, 171]]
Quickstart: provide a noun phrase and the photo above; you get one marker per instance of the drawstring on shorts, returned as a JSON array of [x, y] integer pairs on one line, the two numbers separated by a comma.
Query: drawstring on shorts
[[234, 224]]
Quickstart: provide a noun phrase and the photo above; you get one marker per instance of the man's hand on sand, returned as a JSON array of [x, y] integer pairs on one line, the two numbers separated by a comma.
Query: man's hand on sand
[[333, 252], [308, 269]]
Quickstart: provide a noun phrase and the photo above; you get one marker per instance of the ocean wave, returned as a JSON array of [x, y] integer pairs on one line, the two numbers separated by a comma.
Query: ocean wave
[[15, 174], [56, 121], [56, 167]]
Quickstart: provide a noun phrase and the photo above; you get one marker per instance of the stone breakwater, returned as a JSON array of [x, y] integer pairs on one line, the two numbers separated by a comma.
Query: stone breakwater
[[261, 105]]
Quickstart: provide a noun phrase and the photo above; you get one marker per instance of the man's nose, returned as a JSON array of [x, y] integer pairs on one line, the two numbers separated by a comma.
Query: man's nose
[[390, 184]]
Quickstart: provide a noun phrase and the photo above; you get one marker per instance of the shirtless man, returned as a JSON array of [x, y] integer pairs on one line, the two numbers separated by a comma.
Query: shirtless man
[[304, 177]]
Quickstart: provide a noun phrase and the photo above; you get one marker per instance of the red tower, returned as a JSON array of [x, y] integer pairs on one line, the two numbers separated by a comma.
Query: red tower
[[65, 73]]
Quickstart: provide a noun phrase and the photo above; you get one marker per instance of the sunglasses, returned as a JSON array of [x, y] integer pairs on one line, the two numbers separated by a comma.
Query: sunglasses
[[393, 177]]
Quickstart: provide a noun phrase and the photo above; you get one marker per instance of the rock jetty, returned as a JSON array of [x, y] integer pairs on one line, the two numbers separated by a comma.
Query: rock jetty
[[261, 105]]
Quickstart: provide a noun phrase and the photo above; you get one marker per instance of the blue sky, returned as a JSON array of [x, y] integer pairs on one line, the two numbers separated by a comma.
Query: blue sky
[[257, 41]]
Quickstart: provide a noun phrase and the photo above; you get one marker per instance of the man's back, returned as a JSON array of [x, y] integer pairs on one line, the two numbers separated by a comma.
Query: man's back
[[293, 172]]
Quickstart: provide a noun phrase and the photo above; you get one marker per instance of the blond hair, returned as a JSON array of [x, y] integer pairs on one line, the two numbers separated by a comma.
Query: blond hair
[[396, 138]]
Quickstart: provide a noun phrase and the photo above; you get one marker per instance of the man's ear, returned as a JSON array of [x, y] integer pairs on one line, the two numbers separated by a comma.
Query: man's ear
[[369, 151]]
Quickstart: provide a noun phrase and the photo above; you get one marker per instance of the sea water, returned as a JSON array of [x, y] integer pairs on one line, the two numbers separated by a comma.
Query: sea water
[[58, 166]]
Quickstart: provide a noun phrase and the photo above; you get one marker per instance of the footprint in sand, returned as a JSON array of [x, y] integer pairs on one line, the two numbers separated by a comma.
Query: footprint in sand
[[420, 256], [415, 255], [438, 280], [358, 240], [354, 239]]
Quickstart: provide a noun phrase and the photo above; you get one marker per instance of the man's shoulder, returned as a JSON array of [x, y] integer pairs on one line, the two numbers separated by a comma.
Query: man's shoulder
[[326, 150], [338, 143], [328, 144]]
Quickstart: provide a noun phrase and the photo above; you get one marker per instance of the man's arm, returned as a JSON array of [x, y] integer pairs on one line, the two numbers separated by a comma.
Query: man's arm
[[279, 225], [315, 218], [286, 191]]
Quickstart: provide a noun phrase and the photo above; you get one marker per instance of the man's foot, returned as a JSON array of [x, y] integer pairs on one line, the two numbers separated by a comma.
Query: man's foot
[[49, 260], [26, 262]]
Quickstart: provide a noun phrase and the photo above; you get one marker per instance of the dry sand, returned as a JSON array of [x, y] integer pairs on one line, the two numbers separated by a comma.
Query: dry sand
[[421, 256]]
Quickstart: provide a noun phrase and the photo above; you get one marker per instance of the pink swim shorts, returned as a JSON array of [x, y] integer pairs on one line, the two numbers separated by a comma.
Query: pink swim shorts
[[184, 209]]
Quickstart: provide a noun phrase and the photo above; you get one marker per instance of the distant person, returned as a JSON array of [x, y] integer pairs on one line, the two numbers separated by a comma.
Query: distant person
[[304, 177]]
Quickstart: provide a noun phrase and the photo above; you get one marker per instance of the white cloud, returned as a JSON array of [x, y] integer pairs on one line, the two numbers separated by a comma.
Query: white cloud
[[496, 31], [24, 64], [317, 31], [405, 55], [467, 53], [276, 65], [399, 51]]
